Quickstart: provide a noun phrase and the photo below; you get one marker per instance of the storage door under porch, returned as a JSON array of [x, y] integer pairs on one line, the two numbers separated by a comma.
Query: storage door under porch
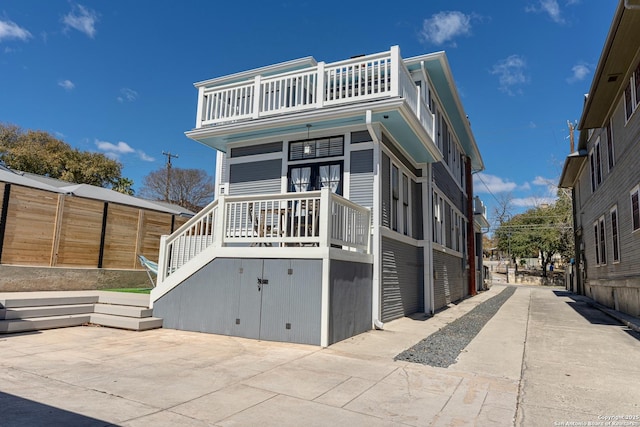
[[225, 297]]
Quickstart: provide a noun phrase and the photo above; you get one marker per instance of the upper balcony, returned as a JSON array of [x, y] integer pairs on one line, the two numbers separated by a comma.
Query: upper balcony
[[381, 83]]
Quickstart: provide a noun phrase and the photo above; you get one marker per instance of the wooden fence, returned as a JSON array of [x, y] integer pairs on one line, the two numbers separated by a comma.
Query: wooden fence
[[43, 228]]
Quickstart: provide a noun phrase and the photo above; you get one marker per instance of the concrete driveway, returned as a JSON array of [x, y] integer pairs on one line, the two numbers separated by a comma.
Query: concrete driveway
[[100, 376]]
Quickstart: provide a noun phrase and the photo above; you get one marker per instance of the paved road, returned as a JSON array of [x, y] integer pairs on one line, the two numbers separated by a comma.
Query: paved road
[[545, 359]]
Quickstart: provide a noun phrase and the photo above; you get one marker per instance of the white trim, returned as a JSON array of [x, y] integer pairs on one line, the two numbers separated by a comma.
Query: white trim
[[376, 307], [445, 250], [427, 194], [325, 302], [255, 158], [394, 235]]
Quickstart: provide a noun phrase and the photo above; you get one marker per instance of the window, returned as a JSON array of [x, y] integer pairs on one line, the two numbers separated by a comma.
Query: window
[[637, 84], [316, 148], [628, 105], [614, 234], [635, 208], [596, 166], [603, 246], [395, 196], [610, 150], [438, 218], [405, 204], [315, 176], [597, 242]]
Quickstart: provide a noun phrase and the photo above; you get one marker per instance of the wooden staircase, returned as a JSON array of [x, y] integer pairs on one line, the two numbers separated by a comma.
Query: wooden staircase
[[32, 311]]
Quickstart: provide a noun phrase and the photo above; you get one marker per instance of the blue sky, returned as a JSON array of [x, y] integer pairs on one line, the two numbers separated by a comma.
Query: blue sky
[[117, 76]]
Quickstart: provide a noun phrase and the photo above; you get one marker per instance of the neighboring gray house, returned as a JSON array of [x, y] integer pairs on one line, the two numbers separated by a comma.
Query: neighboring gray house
[[604, 173], [344, 199]]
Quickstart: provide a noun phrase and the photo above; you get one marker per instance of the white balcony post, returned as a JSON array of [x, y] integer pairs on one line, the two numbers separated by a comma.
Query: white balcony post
[[257, 97], [200, 107], [162, 260], [419, 103], [395, 70], [320, 85], [326, 217], [219, 225]]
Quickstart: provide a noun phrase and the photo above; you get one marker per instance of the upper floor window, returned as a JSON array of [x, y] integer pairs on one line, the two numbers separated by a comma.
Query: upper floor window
[[316, 148], [315, 176], [611, 155], [632, 93], [596, 166]]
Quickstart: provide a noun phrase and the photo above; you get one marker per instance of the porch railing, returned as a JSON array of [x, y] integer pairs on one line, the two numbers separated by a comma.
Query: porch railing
[[315, 218], [370, 77]]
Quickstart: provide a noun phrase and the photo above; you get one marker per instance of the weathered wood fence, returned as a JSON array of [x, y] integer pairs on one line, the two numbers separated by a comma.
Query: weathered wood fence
[[43, 228]]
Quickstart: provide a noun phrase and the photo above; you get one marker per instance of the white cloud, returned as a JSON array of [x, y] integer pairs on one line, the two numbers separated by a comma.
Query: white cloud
[[11, 30], [443, 27], [532, 201], [511, 74], [550, 7], [81, 19], [145, 157], [485, 183], [580, 72], [127, 94], [551, 185], [114, 151], [66, 84]]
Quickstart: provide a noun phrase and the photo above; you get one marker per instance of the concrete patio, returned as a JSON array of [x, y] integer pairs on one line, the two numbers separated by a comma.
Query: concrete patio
[[101, 376]]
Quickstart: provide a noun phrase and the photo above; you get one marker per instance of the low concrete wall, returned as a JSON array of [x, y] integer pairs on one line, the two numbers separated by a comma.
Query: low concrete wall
[[24, 279], [621, 294]]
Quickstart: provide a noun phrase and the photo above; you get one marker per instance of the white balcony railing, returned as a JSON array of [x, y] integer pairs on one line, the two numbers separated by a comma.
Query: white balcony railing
[[315, 218], [370, 77]]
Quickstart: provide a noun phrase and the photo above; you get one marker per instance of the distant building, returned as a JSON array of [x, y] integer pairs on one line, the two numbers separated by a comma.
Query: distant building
[[604, 174], [345, 200]]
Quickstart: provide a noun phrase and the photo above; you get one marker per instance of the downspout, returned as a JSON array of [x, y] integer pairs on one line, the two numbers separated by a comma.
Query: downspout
[[427, 220], [471, 232], [376, 242]]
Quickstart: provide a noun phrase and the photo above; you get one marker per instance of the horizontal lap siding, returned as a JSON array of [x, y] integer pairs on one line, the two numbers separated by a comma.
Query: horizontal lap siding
[[120, 237], [416, 200], [448, 284], [447, 185], [80, 230], [30, 226], [402, 279], [261, 177]]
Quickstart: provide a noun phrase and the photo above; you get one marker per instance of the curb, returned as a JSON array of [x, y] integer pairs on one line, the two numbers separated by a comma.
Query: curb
[[631, 322]]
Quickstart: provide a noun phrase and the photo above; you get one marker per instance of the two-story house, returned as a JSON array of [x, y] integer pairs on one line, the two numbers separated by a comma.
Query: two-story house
[[604, 173], [344, 200]]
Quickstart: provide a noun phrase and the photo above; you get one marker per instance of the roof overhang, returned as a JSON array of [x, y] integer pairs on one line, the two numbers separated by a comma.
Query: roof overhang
[[611, 75], [572, 166], [439, 71], [394, 114]]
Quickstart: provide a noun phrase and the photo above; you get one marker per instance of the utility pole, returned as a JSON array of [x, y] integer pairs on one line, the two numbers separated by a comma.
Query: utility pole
[[572, 128], [169, 156]]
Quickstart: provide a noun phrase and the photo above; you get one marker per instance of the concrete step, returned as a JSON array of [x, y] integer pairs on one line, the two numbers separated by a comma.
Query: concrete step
[[123, 298], [49, 322], [45, 311], [130, 323], [123, 310], [39, 301]]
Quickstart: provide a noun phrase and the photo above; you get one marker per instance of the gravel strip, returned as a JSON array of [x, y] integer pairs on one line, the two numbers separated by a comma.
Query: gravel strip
[[442, 348]]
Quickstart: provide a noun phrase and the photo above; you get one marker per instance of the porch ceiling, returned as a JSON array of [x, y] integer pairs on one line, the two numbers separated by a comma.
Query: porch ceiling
[[394, 115]]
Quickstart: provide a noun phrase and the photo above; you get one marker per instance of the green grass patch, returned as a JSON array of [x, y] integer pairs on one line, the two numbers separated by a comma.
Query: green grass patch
[[130, 290]]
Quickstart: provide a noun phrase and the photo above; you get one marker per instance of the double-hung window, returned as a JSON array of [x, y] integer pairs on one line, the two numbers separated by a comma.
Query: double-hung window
[[615, 237], [595, 162], [600, 242], [632, 93], [635, 208]]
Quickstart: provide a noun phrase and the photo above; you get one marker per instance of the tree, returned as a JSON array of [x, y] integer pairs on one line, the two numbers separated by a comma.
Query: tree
[[124, 186], [541, 231], [41, 153], [190, 188]]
